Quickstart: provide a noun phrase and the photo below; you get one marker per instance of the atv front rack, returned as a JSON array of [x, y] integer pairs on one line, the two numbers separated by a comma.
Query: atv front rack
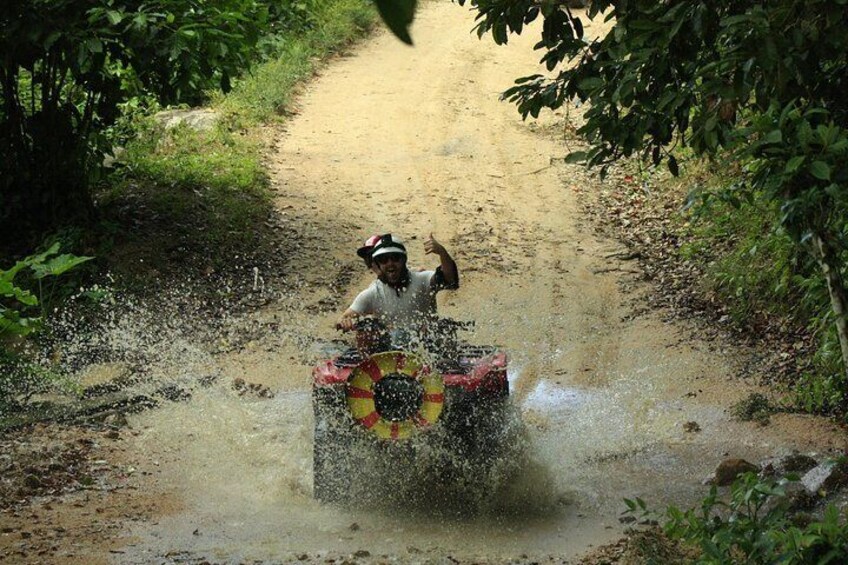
[[465, 358]]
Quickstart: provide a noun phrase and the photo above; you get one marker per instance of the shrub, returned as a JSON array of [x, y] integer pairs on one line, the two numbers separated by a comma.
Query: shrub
[[20, 316], [67, 66], [754, 525]]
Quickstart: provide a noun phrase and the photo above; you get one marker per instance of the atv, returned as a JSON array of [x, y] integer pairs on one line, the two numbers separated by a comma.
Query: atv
[[382, 405]]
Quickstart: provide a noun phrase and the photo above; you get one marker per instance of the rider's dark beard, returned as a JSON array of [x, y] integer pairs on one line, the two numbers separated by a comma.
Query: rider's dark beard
[[402, 282]]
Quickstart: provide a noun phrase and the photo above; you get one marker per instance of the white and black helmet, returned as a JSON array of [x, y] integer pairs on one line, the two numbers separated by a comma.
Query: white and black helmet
[[388, 244]]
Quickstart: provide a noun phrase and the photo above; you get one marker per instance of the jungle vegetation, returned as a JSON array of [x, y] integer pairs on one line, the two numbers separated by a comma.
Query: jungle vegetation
[[757, 84]]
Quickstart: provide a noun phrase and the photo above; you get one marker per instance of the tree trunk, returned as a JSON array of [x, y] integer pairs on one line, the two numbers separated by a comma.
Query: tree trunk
[[45, 164], [838, 302]]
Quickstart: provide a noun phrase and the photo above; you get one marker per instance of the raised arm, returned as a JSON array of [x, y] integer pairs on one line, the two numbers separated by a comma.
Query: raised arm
[[446, 262]]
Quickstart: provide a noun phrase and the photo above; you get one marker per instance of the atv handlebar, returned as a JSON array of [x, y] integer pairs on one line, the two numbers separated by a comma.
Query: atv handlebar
[[363, 324], [373, 324]]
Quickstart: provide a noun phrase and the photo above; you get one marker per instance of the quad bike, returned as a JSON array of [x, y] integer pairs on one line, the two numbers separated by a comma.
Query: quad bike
[[383, 410]]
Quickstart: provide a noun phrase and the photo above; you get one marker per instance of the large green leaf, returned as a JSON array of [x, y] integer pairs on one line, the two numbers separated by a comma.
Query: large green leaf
[[774, 136], [820, 170], [398, 15], [793, 163], [58, 265], [8, 290]]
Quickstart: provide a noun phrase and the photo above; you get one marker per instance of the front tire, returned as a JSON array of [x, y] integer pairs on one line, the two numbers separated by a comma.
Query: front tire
[[331, 467]]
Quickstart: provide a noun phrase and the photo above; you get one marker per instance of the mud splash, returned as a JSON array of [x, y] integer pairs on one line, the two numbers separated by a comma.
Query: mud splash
[[243, 469], [238, 467]]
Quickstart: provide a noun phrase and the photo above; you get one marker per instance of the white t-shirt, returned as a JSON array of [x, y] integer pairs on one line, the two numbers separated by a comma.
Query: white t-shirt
[[404, 308]]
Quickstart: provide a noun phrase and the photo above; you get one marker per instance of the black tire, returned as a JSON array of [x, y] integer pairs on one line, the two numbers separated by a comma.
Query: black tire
[[477, 428], [331, 465]]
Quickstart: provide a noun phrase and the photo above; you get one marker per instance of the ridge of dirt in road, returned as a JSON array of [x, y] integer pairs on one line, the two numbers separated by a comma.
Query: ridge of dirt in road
[[68, 491]]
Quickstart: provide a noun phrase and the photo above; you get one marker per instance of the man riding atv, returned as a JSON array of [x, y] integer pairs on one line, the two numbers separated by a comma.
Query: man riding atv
[[404, 301], [411, 402]]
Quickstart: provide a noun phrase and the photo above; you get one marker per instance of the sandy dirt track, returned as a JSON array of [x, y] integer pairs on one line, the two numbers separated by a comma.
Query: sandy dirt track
[[416, 141]]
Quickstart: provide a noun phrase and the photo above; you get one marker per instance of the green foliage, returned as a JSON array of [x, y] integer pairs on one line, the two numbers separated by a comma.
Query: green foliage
[[680, 71], [17, 304], [758, 273], [67, 66], [183, 202], [72, 68], [750, 263], [20, 317], [798, 157], [184, 159], [753, 524], [761, 84], [755, 269], [821, 392], [195, 199], [12, 319], [764, 79], [743, 529], [293, 17], [197, 202]]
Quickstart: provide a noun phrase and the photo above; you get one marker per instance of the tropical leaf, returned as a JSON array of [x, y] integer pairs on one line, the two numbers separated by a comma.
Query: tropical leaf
[[398, 16]]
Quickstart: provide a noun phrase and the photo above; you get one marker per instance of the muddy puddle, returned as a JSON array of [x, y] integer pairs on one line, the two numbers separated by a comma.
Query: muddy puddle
[[600, 413], [243, 471], [238, 468]]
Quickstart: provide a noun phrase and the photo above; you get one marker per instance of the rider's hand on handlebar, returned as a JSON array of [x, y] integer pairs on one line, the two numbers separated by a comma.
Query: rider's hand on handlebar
[[346, 324]]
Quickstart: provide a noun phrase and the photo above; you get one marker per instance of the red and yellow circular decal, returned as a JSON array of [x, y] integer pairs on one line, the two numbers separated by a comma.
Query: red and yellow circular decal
[[360, 393]]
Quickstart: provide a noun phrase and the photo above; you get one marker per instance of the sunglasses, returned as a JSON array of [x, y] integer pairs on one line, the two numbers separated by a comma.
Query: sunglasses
[[388, 257]]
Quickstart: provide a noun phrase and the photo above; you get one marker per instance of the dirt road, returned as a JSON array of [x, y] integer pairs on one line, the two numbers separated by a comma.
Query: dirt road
[[413, 141]]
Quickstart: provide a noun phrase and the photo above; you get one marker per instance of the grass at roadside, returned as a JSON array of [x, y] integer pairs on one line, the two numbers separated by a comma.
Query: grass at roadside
[[264, 93], [749, 262], [189, 202], [767, 285]]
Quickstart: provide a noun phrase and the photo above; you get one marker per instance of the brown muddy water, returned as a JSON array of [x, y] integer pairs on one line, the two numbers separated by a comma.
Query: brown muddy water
[[599, 416]]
